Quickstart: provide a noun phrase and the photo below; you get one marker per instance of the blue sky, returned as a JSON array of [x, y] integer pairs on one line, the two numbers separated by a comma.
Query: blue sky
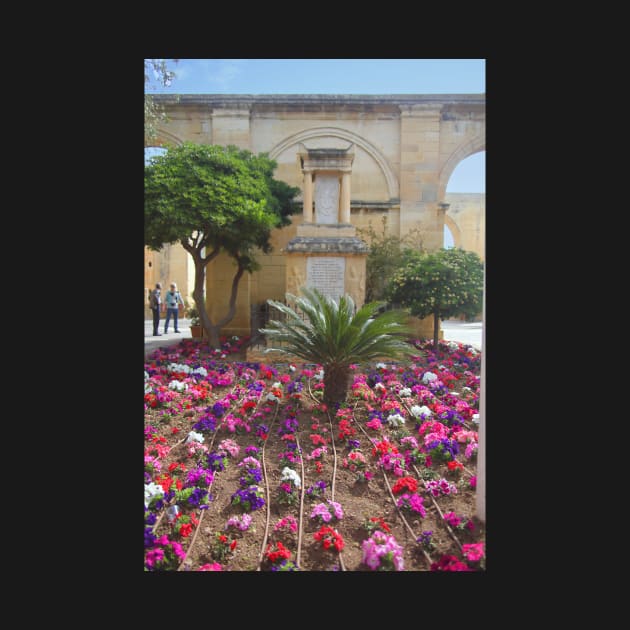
[[339, 76]]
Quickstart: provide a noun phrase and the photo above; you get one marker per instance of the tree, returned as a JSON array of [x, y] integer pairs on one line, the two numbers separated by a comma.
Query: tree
[[334, 336], [444, 284], [154, 69], [214, 199], [387, 254]]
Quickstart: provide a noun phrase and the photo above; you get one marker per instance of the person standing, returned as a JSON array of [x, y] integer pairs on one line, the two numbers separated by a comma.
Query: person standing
[[173, 300], [155, 302]]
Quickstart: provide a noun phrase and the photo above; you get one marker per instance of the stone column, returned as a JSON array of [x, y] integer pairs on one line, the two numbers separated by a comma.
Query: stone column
[[308, 197], [345, 198]]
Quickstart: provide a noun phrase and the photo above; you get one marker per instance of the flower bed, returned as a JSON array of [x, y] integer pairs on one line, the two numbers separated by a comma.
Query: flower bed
[[246, 470]]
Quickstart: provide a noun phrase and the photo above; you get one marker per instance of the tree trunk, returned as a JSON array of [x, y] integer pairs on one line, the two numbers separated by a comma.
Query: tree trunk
[[212, 330], [336, 384], [436, 331]]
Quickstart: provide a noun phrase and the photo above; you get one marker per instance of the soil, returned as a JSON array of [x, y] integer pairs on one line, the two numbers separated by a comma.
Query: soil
[[360, 501]]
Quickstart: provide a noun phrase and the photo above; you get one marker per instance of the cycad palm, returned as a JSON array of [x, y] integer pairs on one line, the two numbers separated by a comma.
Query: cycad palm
[[334, 336]]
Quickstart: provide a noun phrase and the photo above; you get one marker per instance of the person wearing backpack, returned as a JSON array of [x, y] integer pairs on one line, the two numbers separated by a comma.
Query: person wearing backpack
[[155, 302], [173, 300]]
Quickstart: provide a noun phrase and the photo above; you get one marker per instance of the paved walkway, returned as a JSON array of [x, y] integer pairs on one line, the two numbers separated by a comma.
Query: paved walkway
[[454, 330]]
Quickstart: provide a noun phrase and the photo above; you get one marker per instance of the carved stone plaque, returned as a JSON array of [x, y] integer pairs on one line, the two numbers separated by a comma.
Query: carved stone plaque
[[326, 199], [326, 273]]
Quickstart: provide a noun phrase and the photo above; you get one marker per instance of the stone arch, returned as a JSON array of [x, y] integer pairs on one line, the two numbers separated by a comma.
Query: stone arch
[[474, 145], [370, 149], [455, 231], [164, 137]]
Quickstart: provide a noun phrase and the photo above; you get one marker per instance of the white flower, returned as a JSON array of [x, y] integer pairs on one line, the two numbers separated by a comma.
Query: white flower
[[288, 474], [396, 420], [180, 386], [320, 375], [292, 367], [201, 371], [475, 418], [193, 436], [235, 338], [380, 366], [272, 397], [379, 386], [146, 375], [429, 376], [277, 385], [151, 490], [404, 391], [147, 388], [466, 389], [179, 367], [418, 411], [454, 393], [452, 345]]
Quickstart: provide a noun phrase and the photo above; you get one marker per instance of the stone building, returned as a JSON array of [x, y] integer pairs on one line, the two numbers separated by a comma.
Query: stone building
[[356, 158]]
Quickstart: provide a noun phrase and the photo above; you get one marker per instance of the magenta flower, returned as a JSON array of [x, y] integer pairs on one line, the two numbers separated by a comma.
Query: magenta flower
[[474, 551]]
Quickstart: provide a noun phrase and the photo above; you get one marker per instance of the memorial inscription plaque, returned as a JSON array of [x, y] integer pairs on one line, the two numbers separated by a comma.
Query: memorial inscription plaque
[[326, 273]]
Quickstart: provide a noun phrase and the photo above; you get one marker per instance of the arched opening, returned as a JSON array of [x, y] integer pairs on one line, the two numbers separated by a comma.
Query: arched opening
[[449, 243], [150, 152], [464, 222], [469, 176]]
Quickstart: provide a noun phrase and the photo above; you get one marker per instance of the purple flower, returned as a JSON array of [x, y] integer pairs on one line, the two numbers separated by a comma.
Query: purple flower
[[218, 410], [206, 423], [197, 496], [216, 461], [149, 537]]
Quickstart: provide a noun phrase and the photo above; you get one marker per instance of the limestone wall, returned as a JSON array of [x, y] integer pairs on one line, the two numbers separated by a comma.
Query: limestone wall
[[405, 148]]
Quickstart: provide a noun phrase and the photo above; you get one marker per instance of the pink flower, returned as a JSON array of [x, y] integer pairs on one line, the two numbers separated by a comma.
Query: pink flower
[[210, 567], [375, 424], [474, 552], [153, 556]]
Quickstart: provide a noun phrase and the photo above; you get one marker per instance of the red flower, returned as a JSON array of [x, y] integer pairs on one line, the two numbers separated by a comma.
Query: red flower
[[381, 522], [408, 483], [233, 545], [185, 530], [282, 553], [175, 430], [223, 538], [328, 536]]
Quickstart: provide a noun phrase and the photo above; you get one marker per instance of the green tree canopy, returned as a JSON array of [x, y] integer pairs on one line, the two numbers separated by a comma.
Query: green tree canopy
[[388, 252], [214, 199], [444, 284]]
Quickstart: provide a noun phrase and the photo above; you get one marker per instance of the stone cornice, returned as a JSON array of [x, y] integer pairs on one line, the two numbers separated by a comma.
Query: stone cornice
[[250, 100]]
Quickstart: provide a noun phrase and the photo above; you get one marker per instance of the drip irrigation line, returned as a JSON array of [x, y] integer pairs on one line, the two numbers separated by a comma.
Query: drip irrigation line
[[448, 527], [192, 542], [415, 538], [299, 543], [264, 467], [332, 491]]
